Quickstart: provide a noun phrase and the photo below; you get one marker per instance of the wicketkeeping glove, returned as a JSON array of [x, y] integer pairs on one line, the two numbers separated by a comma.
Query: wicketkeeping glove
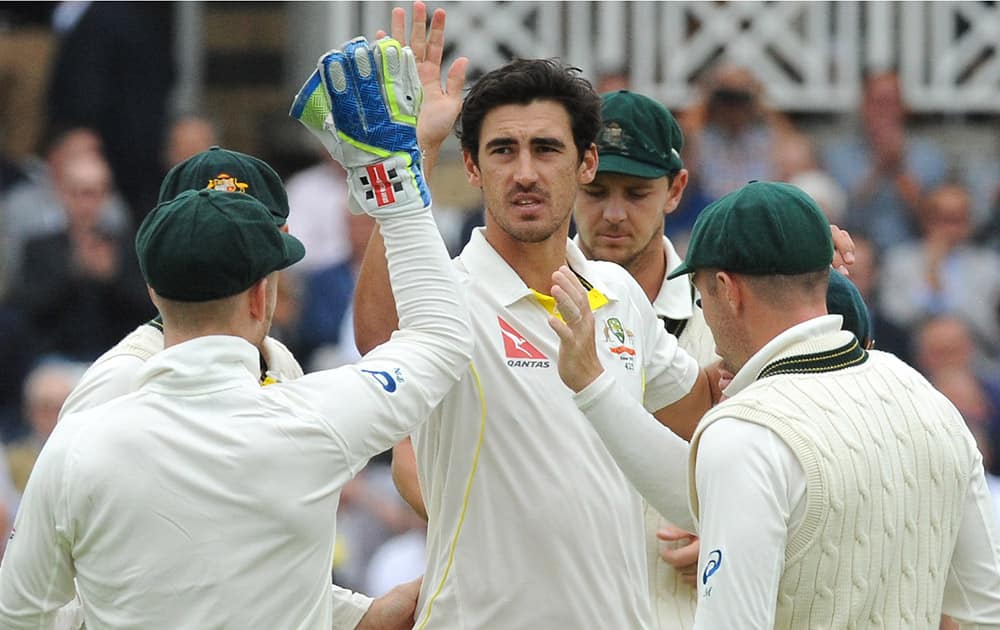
[[362, 103]]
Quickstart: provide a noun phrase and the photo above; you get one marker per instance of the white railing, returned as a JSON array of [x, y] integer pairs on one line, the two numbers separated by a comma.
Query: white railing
[[810, 55]]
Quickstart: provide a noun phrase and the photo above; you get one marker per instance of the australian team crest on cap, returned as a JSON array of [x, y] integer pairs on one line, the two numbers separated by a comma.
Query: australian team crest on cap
[[613, 137], [227, 183], [616, 335]]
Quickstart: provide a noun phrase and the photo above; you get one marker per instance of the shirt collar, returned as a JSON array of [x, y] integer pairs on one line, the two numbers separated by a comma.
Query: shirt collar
[[482, 261], [814, 335], [201, 365], [673, 300]]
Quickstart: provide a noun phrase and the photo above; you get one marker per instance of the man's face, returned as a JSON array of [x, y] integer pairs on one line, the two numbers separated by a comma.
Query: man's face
[[529, 170], [720, 320], [620, 217]]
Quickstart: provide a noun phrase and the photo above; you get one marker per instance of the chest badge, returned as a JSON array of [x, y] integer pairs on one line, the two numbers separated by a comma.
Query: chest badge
[[621, 342], [518, 350]]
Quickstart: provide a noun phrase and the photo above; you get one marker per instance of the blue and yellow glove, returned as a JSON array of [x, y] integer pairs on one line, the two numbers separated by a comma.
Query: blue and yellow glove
[[362, 103]]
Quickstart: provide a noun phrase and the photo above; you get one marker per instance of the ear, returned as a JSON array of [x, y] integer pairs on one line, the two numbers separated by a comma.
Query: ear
[[676, 191], [731, 290], [257, 296], [587, 170], [471, 169]]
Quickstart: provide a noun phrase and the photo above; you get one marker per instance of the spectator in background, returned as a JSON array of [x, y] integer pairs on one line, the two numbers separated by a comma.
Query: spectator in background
[[865, 274], [795, 163], [80, 288], [317, 198], [883, 167], [736, 139], [45, 390], [35, 208], [113, 72], [967, 393], [944, 343], [189, 135], [944, 272]]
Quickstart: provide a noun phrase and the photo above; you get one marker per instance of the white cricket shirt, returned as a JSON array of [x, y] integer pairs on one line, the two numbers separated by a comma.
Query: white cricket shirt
[[204, 500], [531, 522]]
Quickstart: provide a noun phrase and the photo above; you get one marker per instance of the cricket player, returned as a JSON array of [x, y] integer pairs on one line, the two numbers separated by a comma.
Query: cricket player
[[113, 373], [859, 492], [531, 524], [202, 499]]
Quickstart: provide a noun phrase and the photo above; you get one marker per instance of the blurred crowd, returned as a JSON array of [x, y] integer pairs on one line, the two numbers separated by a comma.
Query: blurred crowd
[[927, 238]]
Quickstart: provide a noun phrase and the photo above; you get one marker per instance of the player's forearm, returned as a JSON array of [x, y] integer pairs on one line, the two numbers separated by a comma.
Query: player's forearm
[[426, 292], [404, 475], [374, 306], [682, 417], [653, 458]]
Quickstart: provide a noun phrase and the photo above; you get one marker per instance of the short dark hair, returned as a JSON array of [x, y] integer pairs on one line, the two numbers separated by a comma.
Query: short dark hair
[[523, 81]]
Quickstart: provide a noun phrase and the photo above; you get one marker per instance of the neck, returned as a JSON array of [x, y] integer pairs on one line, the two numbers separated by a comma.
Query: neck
[[534, 263], [649, 268], [772, 322]]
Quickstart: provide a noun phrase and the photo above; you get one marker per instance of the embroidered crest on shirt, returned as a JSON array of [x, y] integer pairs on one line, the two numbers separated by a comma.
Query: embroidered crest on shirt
[[519, 351], [616, 335]]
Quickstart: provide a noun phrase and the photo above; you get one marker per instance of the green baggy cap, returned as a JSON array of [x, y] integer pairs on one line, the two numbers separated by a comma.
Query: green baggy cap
[[638, 137], [844, 299], [230, 171], [206, 244], [764, 228]]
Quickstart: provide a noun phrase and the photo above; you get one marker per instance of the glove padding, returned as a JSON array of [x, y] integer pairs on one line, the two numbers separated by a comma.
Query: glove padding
[[362, 103]]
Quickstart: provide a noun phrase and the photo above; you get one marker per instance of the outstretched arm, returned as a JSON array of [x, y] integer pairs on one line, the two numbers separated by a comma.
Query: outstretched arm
[[652, 456], [374, 308]]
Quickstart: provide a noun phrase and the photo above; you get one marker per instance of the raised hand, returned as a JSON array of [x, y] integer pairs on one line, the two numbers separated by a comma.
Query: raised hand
[[578, 362], [442, 102], [362, 103]]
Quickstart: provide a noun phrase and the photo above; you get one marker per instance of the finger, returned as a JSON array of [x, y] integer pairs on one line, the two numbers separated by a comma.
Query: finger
[[455, 82], [844, 270], [399, 25], [567, 281], [379, 34], [673, 533], [561, 329], [690, 580], [435, 39], [567, 308], [418, 31]]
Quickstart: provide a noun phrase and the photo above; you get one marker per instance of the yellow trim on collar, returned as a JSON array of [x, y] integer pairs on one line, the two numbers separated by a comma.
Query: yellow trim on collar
[[594, 297]]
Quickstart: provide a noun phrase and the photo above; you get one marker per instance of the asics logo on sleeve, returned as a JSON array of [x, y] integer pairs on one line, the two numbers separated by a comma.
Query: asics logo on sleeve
[[384, 379], [713, 564]]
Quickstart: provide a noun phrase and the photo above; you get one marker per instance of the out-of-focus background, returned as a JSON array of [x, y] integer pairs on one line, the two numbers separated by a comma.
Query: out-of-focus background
[[887, 113]]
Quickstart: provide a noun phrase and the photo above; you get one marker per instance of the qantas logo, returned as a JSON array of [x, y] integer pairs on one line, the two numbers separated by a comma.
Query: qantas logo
[[519, 351]]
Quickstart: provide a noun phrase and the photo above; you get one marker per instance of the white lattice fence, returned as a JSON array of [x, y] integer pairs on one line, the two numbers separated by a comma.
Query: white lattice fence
[[810, 55]]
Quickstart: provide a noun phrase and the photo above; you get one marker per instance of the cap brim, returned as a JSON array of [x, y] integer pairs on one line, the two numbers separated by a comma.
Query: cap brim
[[612, 163], [294, 250], [683, 270]]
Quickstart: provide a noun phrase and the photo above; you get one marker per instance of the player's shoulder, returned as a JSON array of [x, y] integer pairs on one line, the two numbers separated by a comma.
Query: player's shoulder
[[143, 342]]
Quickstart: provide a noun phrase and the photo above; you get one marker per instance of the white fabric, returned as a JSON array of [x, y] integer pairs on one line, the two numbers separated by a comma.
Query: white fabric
[[317, 200], [750, 497], [551, 533], [233, 486], [113, 373]]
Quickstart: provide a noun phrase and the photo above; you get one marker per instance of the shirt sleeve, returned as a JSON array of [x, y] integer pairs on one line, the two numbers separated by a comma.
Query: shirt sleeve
[[653, 458], [749, 484], [972, 590], [669, 372], [348, 608], [373, 404], [36, 578]]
